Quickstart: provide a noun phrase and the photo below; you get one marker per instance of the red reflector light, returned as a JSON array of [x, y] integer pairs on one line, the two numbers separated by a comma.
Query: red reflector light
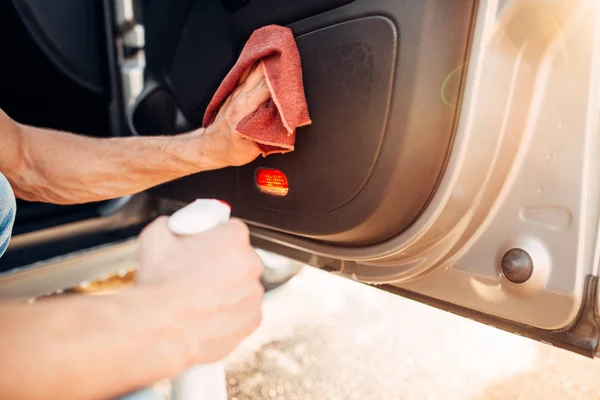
[[272, 181]]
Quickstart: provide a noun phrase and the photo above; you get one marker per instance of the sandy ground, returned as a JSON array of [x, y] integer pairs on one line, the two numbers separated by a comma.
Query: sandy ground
[[324, 337]]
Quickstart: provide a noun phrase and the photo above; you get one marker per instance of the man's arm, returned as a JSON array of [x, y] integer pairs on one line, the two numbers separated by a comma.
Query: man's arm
[[193, 304], [88, 347], [63, 168]]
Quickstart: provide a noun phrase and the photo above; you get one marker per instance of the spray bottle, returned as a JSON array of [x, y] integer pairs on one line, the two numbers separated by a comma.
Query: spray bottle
[[206, 381]]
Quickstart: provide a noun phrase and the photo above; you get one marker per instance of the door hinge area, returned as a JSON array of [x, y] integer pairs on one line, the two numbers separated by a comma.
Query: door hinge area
[[582, 336], [584, 333]]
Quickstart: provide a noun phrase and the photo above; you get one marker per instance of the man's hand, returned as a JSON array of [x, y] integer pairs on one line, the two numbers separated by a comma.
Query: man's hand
[[226, 146], [212, 281], [196, 298]]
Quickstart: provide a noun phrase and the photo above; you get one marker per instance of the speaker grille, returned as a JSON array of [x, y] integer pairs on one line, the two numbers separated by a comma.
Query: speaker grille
[[347, 73], [350, 69]]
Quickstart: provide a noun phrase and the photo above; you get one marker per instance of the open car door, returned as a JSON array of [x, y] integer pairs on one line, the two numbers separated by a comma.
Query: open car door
[[452, 159], [453, 155]]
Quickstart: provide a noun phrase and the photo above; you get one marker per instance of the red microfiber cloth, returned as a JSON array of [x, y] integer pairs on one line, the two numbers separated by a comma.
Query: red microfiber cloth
[[273, 125]]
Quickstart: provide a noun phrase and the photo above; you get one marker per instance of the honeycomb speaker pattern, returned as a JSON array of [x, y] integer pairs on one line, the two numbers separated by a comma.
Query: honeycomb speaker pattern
[[349, 67]]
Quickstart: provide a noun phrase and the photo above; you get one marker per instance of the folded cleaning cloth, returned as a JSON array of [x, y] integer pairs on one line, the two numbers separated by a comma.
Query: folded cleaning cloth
[[273, 125]]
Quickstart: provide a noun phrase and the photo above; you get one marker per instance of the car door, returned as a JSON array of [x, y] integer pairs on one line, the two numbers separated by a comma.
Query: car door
[[452, 159], [452, 156]]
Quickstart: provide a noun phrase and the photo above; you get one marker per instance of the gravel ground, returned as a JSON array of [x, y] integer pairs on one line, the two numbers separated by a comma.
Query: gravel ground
[[324, 337]]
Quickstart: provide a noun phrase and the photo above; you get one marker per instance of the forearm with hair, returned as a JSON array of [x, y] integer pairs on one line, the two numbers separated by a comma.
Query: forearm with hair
[[89, 347], [63, 168]]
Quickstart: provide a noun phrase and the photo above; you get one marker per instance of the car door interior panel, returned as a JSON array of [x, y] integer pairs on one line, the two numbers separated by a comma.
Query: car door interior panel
[[382, 125]]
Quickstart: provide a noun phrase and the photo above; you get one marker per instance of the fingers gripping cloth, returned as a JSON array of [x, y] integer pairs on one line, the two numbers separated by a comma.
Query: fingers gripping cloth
[[273, 125]]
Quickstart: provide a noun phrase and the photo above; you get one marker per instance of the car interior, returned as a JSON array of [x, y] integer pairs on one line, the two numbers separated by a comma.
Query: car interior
[[58, 78], [437, 146]]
